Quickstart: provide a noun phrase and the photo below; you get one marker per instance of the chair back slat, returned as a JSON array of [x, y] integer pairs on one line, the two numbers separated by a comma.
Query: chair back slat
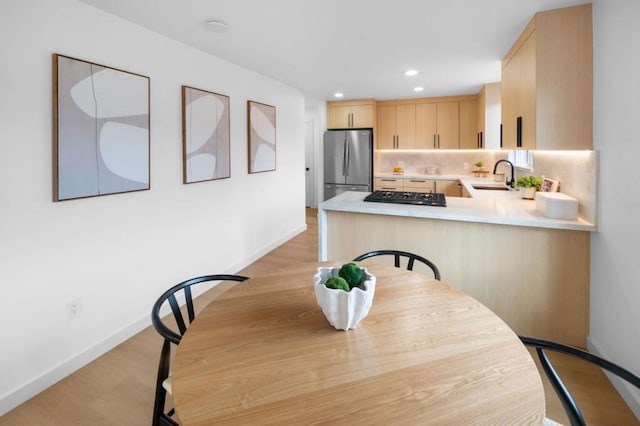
[[189, 300], [177, 314], [397, 255]]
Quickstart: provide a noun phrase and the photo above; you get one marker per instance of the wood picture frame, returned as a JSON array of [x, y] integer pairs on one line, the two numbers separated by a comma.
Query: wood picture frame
[[261, 129], [205, 135], [101, 139], [549, 185]]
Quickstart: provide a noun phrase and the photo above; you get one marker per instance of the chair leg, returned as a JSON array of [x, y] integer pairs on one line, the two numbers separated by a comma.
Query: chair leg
[[161, 392]]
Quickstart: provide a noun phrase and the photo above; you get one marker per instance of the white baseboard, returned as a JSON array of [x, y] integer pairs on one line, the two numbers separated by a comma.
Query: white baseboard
[[630, 394], [13, 398], [30, 389]]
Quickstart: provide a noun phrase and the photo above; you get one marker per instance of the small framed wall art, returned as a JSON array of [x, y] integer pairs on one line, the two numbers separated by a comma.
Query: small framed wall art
[[262, 137], [100, 130], [205, 135]]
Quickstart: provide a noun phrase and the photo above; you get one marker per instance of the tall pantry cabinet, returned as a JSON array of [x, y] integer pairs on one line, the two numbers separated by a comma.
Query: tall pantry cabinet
[[547, 83]]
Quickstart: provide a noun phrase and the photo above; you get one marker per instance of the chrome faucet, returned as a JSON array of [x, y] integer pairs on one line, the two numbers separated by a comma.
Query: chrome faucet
[[508, 182]]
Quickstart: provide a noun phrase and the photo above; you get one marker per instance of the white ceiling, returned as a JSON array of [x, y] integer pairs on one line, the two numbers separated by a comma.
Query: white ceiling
[[358, 47]]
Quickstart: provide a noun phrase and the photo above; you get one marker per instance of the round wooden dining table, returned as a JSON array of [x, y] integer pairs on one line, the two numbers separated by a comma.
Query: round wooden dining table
[[263, 353]]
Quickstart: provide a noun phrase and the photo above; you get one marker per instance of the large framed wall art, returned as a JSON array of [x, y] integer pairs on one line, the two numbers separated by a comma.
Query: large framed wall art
[[262, 137], [205, 135], [100, 130]]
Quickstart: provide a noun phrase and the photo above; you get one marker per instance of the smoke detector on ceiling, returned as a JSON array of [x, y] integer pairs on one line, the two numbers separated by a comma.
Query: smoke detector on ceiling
[[217, 25]]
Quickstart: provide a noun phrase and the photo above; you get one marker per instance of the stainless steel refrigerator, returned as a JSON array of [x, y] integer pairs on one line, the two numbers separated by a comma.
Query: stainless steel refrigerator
[[348, 161]]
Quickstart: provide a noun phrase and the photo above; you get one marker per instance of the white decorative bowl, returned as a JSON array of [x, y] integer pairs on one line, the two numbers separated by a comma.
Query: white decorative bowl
[[343, 309]]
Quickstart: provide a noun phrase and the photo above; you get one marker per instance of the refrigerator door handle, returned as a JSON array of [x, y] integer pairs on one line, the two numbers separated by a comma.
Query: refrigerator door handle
[[344, 158], [346, 166]]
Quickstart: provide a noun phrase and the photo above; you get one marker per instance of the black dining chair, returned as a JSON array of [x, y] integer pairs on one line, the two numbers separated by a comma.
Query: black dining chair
[[569, 404], [171, 336], [398, 254]]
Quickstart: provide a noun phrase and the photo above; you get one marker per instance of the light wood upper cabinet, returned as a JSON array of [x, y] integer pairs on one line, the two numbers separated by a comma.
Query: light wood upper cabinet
[[489, 116], [469, 134], [352, 114], [437, 125], [547, 83], [448, 123], [396, 126], [424, 123], [426, 126], [406, 126]]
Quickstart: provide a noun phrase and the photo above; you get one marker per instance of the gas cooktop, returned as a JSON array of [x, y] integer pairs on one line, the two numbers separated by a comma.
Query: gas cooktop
[[401, 197]]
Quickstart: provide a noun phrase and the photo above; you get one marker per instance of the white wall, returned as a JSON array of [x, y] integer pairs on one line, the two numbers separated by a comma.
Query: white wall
[[615, 269], [119, 252]]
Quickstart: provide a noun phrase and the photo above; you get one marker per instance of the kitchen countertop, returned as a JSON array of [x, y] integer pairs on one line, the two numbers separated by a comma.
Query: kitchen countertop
[[497, 207]]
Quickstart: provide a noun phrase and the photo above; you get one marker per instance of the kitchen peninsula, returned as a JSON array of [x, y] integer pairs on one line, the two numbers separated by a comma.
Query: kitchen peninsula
[[530, 270]]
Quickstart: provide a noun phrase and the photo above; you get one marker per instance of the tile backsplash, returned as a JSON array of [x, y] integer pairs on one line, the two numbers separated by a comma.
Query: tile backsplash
[[576, 170], [446, 162]]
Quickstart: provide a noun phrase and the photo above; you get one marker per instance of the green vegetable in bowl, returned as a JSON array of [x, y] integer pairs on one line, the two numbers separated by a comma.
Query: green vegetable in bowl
[[337, 283], [351, 273]]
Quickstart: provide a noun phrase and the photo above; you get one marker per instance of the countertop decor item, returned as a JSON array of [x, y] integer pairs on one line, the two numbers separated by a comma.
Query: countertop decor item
[[528, 186], [344, 309]]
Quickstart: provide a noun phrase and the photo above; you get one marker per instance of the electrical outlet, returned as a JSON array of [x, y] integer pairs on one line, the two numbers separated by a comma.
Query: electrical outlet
[[75, 308], [466, 166]]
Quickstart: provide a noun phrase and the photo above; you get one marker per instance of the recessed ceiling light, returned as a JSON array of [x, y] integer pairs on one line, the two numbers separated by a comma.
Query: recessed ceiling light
[[418, 89], [338, 95], [409, 73], [217, 25]]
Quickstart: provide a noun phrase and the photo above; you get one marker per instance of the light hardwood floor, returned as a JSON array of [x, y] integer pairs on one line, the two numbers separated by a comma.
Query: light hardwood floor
[[118, 387]]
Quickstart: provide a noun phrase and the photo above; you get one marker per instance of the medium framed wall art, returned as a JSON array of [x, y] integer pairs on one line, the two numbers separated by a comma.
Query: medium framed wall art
[[100, 130], [262, 137], [205, 135]]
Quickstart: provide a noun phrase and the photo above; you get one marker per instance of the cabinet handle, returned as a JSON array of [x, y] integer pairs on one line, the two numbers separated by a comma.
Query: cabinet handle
[[438, 140], [500, 135], [434, 141], [397, 141], [519, 132], [478, 140], [481, 139]]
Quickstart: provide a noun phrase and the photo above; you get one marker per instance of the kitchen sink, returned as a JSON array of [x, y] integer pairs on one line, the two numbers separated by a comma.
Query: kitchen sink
[[491, 187]]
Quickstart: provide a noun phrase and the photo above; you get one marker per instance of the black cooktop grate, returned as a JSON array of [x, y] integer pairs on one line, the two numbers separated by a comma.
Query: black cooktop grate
[[402, 197]]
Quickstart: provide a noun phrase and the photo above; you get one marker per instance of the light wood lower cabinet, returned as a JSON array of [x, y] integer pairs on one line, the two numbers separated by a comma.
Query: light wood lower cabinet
[[387, 184], [450, 188], [535, 279], [419, 185]]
